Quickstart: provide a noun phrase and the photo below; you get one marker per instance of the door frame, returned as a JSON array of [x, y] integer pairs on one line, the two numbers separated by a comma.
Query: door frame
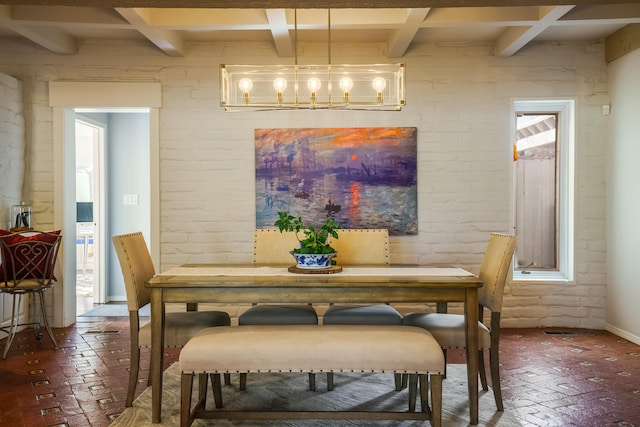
[[64, 97], [99, 199]]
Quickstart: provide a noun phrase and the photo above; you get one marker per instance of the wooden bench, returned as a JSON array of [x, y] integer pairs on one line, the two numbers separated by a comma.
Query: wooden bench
[[313, 349]]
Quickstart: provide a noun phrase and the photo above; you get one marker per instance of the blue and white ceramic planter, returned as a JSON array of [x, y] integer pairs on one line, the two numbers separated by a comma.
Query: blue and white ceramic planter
[[311, 261]]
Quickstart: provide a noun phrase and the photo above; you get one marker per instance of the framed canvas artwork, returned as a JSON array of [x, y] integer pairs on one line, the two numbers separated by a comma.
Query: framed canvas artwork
[[361, 177]]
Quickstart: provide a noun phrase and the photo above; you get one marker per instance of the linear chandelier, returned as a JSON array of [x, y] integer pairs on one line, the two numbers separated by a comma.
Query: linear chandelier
[[312, 87]]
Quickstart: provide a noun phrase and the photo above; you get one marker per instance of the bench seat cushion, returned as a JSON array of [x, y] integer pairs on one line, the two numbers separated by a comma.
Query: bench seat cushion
[[313, 348]]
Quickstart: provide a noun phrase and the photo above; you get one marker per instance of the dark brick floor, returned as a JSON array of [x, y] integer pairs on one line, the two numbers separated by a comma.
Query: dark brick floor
[[576, 378]]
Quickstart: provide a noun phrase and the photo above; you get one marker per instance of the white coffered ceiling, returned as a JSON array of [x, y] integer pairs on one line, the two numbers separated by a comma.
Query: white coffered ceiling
[[60, 26]]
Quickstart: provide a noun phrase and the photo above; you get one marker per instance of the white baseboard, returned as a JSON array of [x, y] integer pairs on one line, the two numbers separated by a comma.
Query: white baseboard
[[622, 333]]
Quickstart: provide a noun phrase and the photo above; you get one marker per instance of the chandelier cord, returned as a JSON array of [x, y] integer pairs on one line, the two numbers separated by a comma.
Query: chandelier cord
[[329, 33], [295, 35]]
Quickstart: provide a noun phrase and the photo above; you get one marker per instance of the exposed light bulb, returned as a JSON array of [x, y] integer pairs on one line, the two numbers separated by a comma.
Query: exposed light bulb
[[245, 86], [345, 84], [314, 85], [379, 84], [280, 84]]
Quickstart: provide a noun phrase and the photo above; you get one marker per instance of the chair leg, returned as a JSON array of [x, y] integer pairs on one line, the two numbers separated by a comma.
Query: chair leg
[[15, 314], [494, 366], [36, 312], [43, 311], [134, 368], [482, 371]]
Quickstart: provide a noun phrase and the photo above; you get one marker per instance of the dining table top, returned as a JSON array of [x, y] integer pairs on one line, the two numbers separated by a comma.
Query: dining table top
[[241, 275]]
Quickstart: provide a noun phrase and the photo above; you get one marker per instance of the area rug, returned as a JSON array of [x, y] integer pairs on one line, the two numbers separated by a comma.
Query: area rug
[[113, 310], [365, 392]]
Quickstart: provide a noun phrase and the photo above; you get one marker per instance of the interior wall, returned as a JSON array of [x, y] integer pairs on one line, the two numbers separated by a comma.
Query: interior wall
[[12, 146], [459, 97], [128, 171], [127, 164], [623, 198], [12, 163]]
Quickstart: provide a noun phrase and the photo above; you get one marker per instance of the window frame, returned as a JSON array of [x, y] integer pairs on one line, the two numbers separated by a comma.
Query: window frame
[[565, 108]]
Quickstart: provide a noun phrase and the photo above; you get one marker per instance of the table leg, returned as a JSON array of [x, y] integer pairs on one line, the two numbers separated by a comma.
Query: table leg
[[471, 316], [157, 353]]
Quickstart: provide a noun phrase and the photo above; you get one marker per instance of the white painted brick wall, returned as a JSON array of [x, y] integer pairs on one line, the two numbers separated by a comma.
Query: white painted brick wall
[[459, 98], [12, 161], [12, 145]]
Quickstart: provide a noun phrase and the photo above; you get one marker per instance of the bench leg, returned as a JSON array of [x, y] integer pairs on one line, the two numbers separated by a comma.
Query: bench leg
[[243, 382], [202, 387], [397, 378], [217, 390], [186, 385], [424, 393], [436, 400], [227, 379], [312, 382], [330, 385]]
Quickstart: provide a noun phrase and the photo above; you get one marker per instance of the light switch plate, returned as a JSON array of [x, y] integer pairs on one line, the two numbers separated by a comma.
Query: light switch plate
[[130, 199]]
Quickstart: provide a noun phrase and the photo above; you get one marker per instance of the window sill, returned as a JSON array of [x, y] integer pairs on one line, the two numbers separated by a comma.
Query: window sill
[[539, 276]]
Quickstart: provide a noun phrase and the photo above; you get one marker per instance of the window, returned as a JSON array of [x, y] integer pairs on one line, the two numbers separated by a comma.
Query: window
[[543, 171]]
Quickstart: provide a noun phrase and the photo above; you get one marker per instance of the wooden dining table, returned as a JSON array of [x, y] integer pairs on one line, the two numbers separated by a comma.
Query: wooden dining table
[[253, 283]]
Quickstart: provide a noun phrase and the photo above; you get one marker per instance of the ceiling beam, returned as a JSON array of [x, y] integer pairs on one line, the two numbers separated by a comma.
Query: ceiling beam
[[51, 39], [304, 4], [168, 41], [621, 42], [515, 38], [401, 39], [280, 32]]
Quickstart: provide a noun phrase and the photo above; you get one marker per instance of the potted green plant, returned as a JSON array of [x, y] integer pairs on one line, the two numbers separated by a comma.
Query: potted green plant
[[315, 250]]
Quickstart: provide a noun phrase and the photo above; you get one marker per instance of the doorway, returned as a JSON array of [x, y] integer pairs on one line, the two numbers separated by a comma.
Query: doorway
[[64, 98]]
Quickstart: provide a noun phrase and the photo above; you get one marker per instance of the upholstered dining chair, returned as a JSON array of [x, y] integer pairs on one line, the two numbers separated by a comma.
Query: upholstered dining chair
[[28, 261], [271, 247], [449, 329], [137, 267], [362, 247]]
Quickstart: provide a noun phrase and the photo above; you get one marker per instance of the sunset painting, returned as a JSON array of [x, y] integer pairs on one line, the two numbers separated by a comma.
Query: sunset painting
[[361, 177]]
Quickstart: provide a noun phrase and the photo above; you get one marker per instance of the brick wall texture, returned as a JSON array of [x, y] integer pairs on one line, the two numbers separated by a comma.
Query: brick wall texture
[[12, 145]]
